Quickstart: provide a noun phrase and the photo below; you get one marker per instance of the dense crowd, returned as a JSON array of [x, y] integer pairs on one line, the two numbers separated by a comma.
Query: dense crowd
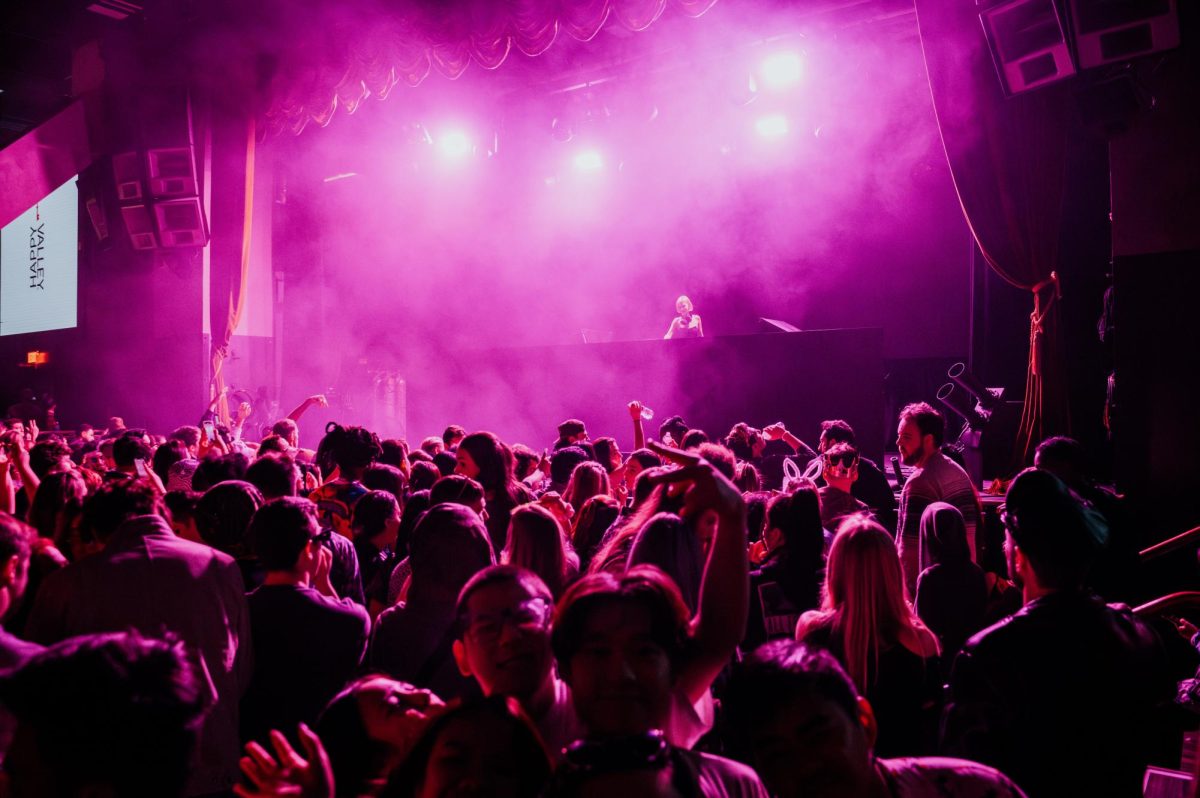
[[217, 611]]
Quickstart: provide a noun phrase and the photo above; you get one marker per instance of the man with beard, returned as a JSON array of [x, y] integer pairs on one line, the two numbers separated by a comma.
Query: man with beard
[[936, 478]]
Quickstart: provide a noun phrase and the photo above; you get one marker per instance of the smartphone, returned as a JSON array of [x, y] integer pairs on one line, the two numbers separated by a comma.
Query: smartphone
[[140, 466], [210, 430]]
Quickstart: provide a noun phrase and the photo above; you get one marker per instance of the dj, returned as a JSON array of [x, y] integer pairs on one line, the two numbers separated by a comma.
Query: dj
[[686, 324]]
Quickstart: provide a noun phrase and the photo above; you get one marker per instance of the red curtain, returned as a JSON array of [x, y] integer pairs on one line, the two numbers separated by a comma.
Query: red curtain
[[232, 209], [1008, 159]]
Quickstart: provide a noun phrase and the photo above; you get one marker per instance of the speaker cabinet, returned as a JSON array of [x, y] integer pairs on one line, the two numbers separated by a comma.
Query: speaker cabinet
[[172, 172], [1028, 43], [181, 222], [140, 224], [1108, 31], [127, 171]]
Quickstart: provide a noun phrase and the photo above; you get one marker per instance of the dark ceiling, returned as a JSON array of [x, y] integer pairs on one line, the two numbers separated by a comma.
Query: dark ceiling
[[38, 37]]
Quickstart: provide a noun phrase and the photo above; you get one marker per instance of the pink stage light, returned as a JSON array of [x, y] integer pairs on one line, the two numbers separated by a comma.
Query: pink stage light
[[772, 127], [588, 161], [455, 145], [781, 70]]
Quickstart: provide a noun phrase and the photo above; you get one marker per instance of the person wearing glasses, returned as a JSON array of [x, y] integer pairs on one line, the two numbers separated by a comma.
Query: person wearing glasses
[[840, 471]]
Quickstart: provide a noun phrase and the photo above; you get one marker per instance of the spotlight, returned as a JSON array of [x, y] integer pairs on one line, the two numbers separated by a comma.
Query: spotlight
[[772, 127], [781, 70], [455, 145], [588, 161]]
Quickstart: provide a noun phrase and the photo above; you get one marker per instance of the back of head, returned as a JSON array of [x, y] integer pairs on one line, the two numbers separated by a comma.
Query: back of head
[[113, 714], [456, 489], [693, 438], [423, 475], [394, 452], [674, 426], [764, 683], [864, 587], [1057, 531], [524, 759], [451, 434], [280, 530], [449, 545], [445, 462], [273, 444], [46, 454], [535, 543], [667, 543], [372, 512], [943, 536], [797, 515], [130, 446], [64, 491], [563, 462], [380, 476], [570, 427], [351, 449], [223, 515], [588, 479], [114, 503], [166, 456], [594, 519], [274, 475], [741, 439], [721, 458], [1063, 457], [187, 435], [215, 470]]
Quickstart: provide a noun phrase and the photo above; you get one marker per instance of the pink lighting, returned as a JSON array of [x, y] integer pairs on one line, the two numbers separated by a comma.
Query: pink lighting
[[588, 161], [772, 127], [455, 145], [781, 70]]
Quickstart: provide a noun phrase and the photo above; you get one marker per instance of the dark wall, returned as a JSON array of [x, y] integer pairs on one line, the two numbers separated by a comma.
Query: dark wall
[[797, 378]]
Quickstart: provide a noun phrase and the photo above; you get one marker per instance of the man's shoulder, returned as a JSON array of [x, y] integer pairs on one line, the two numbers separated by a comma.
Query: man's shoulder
[[724, 777], [937, 776]]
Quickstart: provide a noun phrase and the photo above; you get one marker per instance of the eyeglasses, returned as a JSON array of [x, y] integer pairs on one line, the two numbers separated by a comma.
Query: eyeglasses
[[530, 615], [845, 460]]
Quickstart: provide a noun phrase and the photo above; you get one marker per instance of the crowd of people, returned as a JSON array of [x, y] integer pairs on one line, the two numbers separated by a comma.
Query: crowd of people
[[215, 612]]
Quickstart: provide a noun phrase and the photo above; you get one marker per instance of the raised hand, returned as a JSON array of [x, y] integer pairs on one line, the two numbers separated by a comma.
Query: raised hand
[[308, 776], [774, 432], [705, 488], [319, 400], [635, 410]]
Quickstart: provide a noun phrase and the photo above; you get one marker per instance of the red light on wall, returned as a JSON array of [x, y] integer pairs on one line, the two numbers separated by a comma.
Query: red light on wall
[[36, 358]]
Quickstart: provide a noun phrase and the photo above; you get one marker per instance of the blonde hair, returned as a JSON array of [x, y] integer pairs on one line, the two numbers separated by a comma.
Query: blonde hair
[[537, 543], [865, 595]]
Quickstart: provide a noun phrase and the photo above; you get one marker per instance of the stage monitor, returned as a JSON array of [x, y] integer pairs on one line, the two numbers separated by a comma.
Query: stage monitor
[[39, 255]]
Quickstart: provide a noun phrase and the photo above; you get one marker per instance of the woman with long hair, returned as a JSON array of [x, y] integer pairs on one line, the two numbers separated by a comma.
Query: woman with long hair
[[598, 514], [587, 480], [486, 459], [866, 621], [788, 582], [537, 543]]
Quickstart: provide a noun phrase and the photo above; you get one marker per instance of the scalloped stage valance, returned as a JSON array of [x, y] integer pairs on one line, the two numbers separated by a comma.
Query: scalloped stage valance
[[333, 64]]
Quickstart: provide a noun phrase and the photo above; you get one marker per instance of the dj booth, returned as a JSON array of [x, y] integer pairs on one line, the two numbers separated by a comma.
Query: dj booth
[[798, 378]]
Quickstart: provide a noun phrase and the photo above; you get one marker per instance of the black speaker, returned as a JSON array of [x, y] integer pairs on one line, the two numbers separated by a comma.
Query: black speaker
[[1028, 44], [1108, 31]]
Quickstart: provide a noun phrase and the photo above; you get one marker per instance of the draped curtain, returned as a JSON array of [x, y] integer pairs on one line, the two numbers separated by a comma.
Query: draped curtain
[[232, 217], [1007, 157], [335, 60]]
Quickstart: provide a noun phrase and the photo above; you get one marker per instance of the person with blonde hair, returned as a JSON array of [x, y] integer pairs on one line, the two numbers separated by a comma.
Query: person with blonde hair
[[537, 543], [588, 479], [687, 323], [868, 624]]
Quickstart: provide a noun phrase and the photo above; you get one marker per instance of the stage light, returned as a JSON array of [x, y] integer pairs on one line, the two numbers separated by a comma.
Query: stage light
[[455, 145], [781, 70], [588, 161], [772, 127]]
